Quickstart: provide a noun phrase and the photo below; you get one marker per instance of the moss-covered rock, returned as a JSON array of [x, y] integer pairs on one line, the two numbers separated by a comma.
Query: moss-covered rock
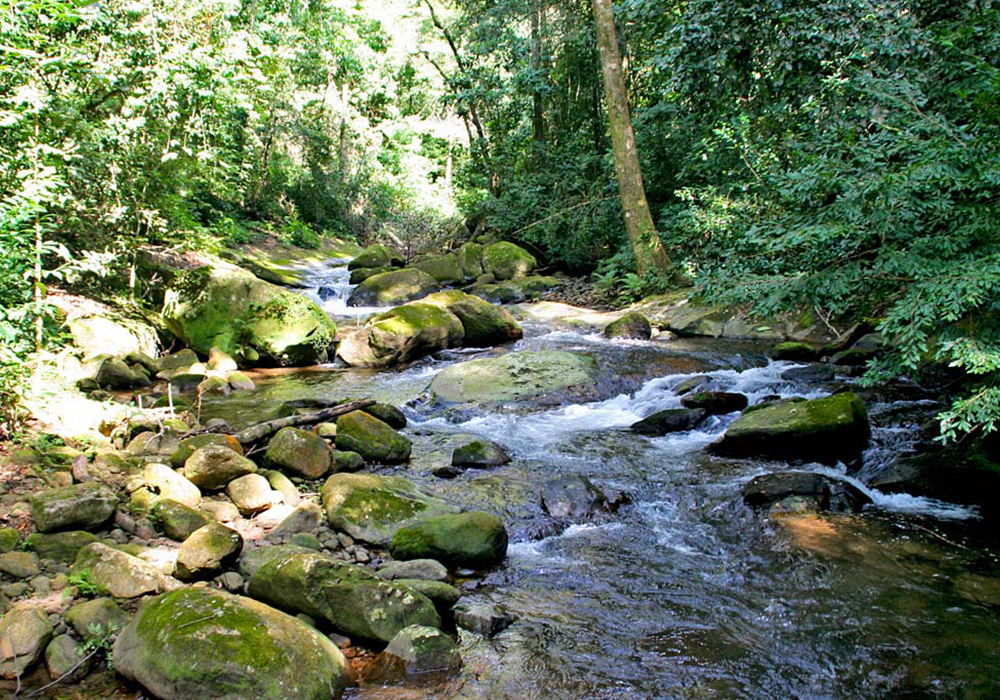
[[60, 546], [95, 618], [112, 334], [118, 574], [388, 414], [505, 261], [470, 257], [376, 255], [213, 467], [81, 506], [633, 325], [391, 288], [187, 446], [24, 634], [795, 351], [250, 493], [210, 550], [516, 376], [299, 452], [203, 644], [348, 596], [9, 539], [416, 650], [372, 508], [484, 324], [822, 430], [371, 438], [346, 461], [403, 334], [479, 454], [115, 375], [442, 594], [446, 269], [176, 520], [360, 274], [462, 539], [229, 308]]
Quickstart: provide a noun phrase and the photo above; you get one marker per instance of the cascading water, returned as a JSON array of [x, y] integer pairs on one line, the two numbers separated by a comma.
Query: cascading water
[[329, 285]]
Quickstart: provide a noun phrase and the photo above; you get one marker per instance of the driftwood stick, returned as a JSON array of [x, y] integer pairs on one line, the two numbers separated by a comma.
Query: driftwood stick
[[267, 428]]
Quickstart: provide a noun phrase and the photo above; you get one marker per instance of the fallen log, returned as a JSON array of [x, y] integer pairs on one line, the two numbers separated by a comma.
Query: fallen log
[[262, 430]]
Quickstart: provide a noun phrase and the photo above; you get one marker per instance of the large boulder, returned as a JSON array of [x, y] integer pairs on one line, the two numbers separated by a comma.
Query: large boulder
[[376, 255], [203, 644], [81, 506], [391, 288], [446, 269], [371, 438], [213, 467], [118, 574], [300, 452], [207, 552], [484, 323], [24, 634], [462, 539], [633, 325], [112, 334], [516, 376], [822, 430], [405, 333], [348, 596], [505, 261], [231, 309], [372, 508]]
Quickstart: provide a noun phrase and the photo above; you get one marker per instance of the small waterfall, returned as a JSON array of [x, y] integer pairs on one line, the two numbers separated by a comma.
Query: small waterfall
[[330, 287]]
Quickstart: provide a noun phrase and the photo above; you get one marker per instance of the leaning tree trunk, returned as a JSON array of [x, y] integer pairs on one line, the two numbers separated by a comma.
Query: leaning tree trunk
[[650, 255]]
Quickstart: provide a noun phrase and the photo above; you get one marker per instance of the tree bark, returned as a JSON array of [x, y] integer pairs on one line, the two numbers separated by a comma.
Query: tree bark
[[538, 111], [650, 255]]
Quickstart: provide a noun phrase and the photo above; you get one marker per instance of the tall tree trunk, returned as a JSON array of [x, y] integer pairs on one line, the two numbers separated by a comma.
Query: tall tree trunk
[[650, 255], [538, 114]]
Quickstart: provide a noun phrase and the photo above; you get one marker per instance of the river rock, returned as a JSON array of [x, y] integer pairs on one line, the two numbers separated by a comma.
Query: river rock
[[96, 618], [795, 351], [250, 493], [633, 325], [505, 260], [372, 508], [822, 430], [392, 288], [474, 539], [20, 564], [118, 574], [60, 546], [300, 452], [487, 619], [177, 520], [424, 569], [283, 485], [182, 359], [204, 644], [470, 257], [249, 319], [443, 595], [479, 454], [415, 650], [169, 485], [253, 559], [81, 506], [207, 552], [187, 446], [484, 323], [373, 439], [24, 634], [348, 596], [572, 496], [376, 255], [445, 269], [112, 334], [388, 414], [516, 376], [814, 373], [671, 420], [62, 655], [406, 333], [346, 461], [307, 517], [797, 491], [715, 402], [213, 467], [115, 375]]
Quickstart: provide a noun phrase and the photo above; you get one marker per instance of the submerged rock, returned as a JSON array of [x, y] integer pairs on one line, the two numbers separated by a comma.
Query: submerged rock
[[348, 596], [81, 506], [572, 496], [798, 491], [415, 650], [372, 508], [516, 376], [392, 288], [463, 539], [822, 430], [373, 439], [249, 319], [487, 619], [203, 644], [671, 420]]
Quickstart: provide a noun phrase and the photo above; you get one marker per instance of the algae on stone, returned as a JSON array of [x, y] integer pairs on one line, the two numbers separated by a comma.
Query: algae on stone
[[513, 377], [371, 438], [463, 539]]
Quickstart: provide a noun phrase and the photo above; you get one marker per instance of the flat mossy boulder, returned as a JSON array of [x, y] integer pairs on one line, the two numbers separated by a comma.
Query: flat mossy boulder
[[406, 333], [81, 506], [372, 508], [350, 597], [392, 288], [60, 546], [473, 539], [633, 325], [376, 255], [373, 439], [301, 452], [821, 430], [795, 351], [249, 319], [505, 260], [516, 376], [485, 324], [117, 573], [176, 520], [24, 634], [203, 644], [446, 269]]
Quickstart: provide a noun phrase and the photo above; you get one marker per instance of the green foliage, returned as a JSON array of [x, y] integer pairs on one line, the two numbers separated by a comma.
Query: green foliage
[[81, 580], [100, 642]]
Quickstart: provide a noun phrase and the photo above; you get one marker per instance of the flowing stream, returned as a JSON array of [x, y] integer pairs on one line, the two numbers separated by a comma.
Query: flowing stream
[[684, 593]]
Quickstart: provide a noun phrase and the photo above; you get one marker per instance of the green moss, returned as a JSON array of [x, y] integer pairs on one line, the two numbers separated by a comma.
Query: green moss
[[506, 261], [379, 505]]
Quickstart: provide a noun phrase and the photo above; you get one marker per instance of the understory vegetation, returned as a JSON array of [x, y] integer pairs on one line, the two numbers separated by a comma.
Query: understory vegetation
[[839, 156]]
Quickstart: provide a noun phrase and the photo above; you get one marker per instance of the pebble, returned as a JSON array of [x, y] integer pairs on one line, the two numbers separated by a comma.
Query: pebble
[[118, 536], [361, 556], [340, 640], [231, 581], [345, 539]]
